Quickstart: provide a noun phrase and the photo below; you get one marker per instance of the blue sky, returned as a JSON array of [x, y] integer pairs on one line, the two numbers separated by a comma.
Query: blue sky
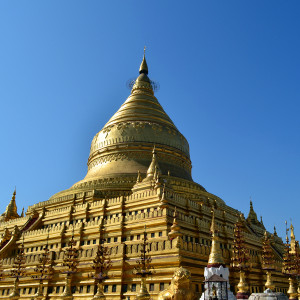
[[229, 74]]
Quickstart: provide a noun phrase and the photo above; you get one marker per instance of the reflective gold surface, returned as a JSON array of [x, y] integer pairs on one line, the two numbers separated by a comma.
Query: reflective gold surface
[[180, 287], [242, 285], [11, 209], [143, 293], [269, 283], [292, 291], [215, 256], [15, 294], [139, 170], [125, 143], [175, 228], [293, 240], [144, 66]]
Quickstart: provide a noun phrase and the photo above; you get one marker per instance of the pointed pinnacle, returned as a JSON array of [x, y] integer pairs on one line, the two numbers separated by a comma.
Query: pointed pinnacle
[[144, 66]]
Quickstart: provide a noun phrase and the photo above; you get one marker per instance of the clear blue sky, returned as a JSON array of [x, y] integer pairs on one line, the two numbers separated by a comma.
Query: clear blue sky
[[229, 73]]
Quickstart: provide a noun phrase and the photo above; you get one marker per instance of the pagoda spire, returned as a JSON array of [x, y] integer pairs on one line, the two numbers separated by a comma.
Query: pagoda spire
[[163, 200], [290, 265], [144, 66], [293, 239], [142, 83], [139, 177], [215, 256], [153, 177], [275, 232], [11, 211], [154, 167], [252, 216], [175, 228], [268, 261]]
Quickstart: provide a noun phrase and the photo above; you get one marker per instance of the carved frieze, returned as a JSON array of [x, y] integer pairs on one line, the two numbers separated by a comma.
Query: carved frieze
[[139, 131], [132, 155]]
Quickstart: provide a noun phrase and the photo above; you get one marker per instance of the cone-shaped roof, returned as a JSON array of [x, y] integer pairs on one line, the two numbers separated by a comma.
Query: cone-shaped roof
[[141, 105], [125, 143]]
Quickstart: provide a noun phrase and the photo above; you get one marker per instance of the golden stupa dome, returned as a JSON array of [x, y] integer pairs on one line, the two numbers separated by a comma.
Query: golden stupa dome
[[124, 145]]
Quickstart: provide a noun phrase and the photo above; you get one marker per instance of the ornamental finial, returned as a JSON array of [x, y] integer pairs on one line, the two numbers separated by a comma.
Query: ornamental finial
[[175, 228], [275, 232], [144, 67], [293, 239], [292, 230], [286, 233], [139, 177]]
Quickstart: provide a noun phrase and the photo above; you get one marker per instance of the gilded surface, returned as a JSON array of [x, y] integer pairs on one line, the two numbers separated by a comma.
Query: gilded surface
[[11, 209], [116, 199], [141, 120], [180, 287], [215, 257], [242, 285]]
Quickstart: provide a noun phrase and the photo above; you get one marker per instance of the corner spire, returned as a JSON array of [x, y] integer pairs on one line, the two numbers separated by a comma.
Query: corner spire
[[175, 228], [144, 66], [293, 239], [292, 231], [139, 177], [163, 200], [286, 232], [11, 211], [252, 216], [275, 232], [154, 167]]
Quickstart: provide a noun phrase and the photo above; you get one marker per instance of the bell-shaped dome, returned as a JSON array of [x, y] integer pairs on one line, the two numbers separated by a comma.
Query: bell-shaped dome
[[124, 146]]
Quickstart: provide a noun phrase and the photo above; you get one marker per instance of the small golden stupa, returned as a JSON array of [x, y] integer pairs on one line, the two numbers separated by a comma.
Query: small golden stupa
[[215, 257]]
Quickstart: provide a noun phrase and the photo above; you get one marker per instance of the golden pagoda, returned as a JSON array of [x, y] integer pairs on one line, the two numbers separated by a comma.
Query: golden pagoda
[[139, 174]]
